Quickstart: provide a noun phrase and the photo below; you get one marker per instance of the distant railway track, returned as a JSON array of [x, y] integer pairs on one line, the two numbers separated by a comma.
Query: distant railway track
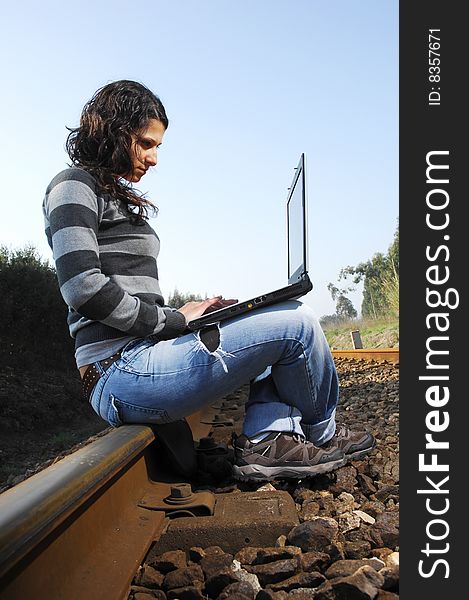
[[80, 529], [379, 354]]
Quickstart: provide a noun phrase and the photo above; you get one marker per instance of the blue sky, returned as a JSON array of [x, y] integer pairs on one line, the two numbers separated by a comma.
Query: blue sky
[[248, 86]]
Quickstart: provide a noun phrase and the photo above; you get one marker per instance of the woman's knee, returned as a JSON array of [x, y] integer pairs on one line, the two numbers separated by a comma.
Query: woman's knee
[[287, 320], [307, 312], [302, 318]]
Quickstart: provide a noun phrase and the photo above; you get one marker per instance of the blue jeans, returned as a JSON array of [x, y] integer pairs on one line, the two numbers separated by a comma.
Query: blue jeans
[[281, 350]]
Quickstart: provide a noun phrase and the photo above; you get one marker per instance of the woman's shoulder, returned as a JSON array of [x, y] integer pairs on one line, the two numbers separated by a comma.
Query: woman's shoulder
[[72, 174]]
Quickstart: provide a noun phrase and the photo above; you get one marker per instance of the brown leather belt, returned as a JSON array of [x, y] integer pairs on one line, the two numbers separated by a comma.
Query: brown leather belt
[[92, 374]]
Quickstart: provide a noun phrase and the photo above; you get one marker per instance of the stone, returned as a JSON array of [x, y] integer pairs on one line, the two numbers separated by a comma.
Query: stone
[[386, 492], [365, 517], [280, 541], [345, 480], [344, 568], [303, 495], [218, 581], [271, 595], [169, 561], [373, 508], [266, 487], [366, 488], [274, 571], [309, 510], [345, 503], [392, 559], [335, 551], [261, 556], [301, 594], [149, 577], [325, 499], [325, 592], [239, 587], [384, 532], [384, 595], [314, 561], [348, 521], [212, 550], [184, 577], [362, 585], [243, 576], [391, 578], [186, 593], [301, 580], [196, 554], [140, 588], [315, 534], [356, 550], [358, 535], [366, 484], [213, 563], [149, 595], [142, 593], [381, 553]]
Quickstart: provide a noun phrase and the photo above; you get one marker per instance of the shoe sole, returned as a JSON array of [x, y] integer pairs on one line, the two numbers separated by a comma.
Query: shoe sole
[[359, 453], [261, 473]]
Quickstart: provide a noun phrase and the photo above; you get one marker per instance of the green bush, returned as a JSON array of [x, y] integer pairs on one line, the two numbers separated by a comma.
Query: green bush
[[33, 324]]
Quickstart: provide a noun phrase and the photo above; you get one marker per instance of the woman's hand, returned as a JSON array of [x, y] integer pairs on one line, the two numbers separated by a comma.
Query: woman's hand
[[197, 308], [222, 302]]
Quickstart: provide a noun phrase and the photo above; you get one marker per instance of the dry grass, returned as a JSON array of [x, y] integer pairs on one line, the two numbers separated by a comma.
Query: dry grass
[[375, 333]]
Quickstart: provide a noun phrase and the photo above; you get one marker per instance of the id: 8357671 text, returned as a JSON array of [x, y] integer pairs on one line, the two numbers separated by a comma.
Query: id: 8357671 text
[[434, 67]]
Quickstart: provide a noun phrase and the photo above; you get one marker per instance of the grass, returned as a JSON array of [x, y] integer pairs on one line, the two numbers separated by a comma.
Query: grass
[[375, 333], [63, 440]]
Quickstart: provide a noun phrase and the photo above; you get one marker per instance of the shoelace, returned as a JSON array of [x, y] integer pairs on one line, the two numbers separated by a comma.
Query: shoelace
[[299, 438], [342, 430], [296, 436]]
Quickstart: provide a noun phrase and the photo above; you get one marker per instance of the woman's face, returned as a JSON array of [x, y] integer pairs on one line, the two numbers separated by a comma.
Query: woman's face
[[144, 148]]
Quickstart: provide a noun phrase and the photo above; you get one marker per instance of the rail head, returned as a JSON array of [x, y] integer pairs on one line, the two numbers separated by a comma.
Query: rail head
[[30, 510], [379, 354]]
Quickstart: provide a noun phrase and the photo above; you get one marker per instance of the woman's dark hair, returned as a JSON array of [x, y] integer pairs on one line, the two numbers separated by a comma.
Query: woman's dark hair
[[101, 144]]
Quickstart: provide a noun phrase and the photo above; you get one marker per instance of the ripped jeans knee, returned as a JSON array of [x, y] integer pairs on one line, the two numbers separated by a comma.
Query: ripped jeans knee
[[209, 339]]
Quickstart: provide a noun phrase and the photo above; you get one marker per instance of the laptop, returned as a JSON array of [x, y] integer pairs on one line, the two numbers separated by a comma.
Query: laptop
[[299, 282]]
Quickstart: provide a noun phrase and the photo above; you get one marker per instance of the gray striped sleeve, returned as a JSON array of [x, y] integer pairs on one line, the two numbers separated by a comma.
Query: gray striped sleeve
[[72, 213]]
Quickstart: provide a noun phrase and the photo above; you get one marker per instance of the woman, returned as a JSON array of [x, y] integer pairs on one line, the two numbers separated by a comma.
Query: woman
[[138, 362]]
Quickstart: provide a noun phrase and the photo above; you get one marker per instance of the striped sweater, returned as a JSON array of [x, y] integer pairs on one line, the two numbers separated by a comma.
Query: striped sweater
[[106, 267]]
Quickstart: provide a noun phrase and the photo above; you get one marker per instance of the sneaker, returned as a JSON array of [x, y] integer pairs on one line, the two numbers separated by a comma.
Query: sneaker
[[354, 444], [280, 455]]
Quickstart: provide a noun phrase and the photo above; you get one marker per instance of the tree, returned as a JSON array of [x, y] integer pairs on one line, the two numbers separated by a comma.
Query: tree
[[177, 299], [380, 276], [344, 308]]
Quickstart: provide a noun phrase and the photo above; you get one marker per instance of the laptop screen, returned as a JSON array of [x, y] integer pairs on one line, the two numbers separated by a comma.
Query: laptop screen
[[296, 225]]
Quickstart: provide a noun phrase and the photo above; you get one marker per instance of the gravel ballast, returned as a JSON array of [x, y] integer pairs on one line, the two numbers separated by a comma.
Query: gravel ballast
[[346, 544]]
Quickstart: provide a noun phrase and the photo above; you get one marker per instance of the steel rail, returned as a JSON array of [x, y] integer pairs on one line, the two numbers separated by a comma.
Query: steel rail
[[379, 354], [78, 529], [58, 526]]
